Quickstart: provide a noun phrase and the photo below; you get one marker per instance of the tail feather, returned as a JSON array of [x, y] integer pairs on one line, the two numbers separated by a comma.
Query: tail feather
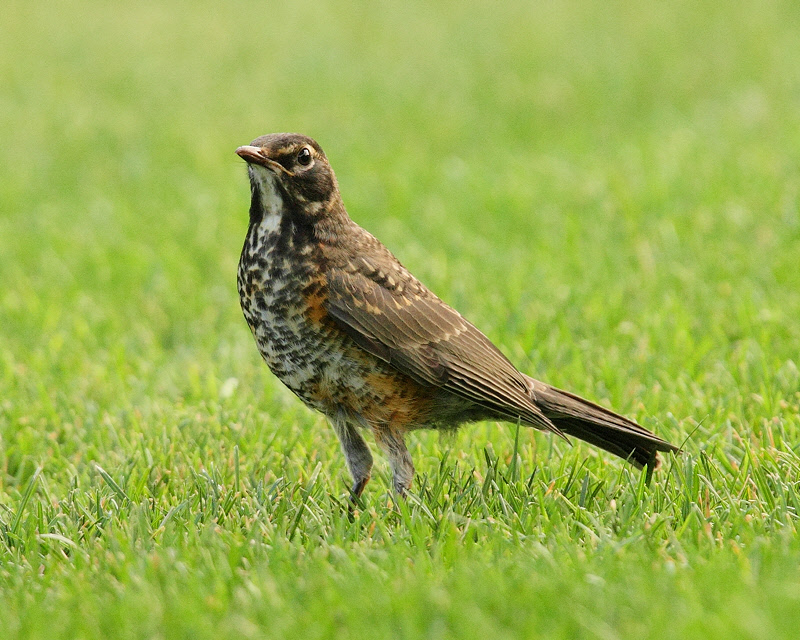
[[599, 426]]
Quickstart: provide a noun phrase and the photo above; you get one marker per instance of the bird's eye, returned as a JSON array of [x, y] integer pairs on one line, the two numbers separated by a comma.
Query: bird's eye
[[304, 157]]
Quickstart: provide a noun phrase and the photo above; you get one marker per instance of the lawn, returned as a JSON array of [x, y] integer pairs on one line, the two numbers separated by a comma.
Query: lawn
[[609, 190]]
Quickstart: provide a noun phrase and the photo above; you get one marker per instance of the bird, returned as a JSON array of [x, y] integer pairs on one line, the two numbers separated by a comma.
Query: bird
[[351, 332]]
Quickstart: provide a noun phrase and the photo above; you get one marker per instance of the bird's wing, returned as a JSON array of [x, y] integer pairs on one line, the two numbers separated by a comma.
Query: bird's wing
[[393, 316]]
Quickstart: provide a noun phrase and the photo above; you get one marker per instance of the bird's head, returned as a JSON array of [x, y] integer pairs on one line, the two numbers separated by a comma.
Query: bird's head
[[289, 173]]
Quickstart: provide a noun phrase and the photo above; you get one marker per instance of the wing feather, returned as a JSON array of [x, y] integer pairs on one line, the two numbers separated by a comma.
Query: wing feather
[[419, 335]]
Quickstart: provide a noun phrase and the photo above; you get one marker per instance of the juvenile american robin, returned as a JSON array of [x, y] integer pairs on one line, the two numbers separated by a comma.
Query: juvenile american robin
[[354, 335]]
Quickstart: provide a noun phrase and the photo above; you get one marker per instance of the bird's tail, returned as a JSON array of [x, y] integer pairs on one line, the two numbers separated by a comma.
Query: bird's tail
[[596, 425]]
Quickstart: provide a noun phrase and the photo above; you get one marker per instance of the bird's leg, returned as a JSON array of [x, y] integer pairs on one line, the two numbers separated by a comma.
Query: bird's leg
[[356, 454], [392, 443]]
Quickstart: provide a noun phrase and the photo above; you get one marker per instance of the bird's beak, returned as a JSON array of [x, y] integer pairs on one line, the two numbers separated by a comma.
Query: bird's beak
[[256, 155]]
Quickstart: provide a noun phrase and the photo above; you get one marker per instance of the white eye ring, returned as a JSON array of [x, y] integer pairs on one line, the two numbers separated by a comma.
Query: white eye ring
[[304, 157]]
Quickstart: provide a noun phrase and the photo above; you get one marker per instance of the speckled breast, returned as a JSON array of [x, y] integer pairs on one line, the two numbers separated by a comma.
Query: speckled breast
[[282, 293]]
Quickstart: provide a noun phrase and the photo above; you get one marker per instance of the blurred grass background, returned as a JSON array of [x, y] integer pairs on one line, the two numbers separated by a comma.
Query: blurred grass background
[[608, 189]]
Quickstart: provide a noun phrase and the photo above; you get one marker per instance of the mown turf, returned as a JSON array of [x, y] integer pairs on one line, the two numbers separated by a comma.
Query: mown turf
[[608, 189]]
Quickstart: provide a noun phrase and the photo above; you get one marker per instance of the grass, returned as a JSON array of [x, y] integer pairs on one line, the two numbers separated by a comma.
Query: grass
[[609, 190]]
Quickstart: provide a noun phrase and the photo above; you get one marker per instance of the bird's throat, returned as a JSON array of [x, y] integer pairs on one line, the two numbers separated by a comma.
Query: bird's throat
[[266, 201]]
